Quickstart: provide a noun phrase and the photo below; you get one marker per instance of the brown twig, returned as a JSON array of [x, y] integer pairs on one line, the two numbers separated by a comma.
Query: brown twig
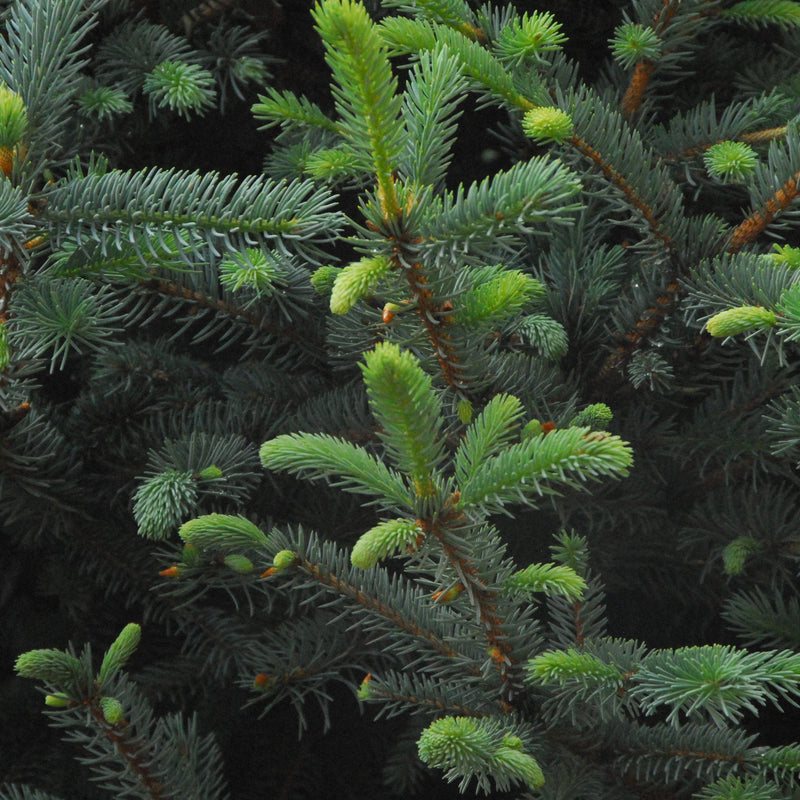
[[758, 220]]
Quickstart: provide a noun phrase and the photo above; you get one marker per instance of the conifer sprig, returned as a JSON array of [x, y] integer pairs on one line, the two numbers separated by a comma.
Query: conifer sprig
[[129, 750], [365, 91], [198, 210], [44, 50], [522, 323], [408, 413], [483, 69], [524, 471], [317, 456]]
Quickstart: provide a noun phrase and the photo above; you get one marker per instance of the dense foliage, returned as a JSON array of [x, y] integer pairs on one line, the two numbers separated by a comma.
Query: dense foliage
[[400, 397]]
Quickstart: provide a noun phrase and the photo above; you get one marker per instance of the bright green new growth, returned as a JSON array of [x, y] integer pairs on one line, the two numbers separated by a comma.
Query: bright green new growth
[[492, 467], [547, 124], [323, 279], [456, 744], [529, 38], [408, 413], [112, 709], [497, 296], [209, 473], [548, 578], [120, 651], [252, 269], [13, 117], [734, 556], [731, 162], [356, 281], [317, 456], [633, 42], [786, 254], [238, 563], [223, 531], [559, 666], [789, 310], [744, 319], [286, 109], [523, 471], [596, 415], [283, 559], [497, 425], [364, 91], [54, 667], [384, 540], [57, 700]]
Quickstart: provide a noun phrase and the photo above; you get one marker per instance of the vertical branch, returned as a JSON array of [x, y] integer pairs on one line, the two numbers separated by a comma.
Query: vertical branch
[[133, 754], [483, 600], [435, 320], [643, 70], [640, 78]]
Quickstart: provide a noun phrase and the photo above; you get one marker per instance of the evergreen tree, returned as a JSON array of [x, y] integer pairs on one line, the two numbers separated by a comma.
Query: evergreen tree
[[506, 464]]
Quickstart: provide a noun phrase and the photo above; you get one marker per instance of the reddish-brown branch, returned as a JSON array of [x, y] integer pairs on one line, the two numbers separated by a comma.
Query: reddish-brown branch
[[201, 300], [10, 272], [766, 135], [648, 323], [580, 637], [665, 14], [492, 624], [435, 319], [642, 72], [362, 598], [619, 180], [640, 78], [757, 222], [117, 733]]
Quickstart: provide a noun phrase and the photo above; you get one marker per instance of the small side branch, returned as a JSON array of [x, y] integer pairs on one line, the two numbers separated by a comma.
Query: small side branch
[[619, 180], [202, 301], [649, 322], [346, 589], [117, 734], [759, 220], [383, 693]]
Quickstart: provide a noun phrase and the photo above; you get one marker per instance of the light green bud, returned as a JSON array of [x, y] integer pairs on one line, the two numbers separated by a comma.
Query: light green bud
[[547, 124], [383, 540], [740, 320], [238, 563], [112, 709]]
